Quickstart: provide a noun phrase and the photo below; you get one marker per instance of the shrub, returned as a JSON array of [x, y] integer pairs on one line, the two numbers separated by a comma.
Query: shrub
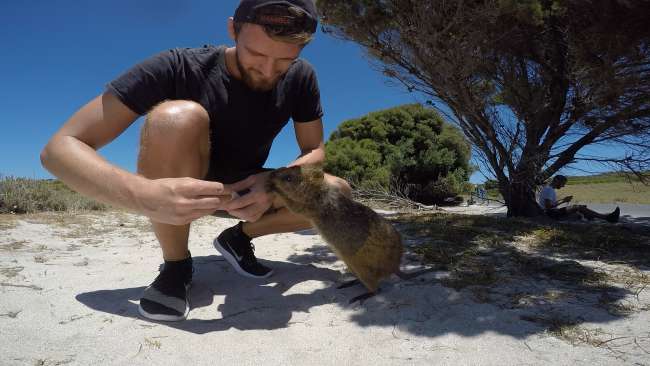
[[409, 144], [22, 195]]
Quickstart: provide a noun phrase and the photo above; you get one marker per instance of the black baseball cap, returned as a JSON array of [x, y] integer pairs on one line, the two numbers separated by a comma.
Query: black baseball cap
[[273, 13]]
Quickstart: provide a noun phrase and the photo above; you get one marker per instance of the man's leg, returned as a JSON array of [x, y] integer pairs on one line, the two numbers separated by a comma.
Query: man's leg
[[235, 243], [281, 220], [590, 214], [174, 143]]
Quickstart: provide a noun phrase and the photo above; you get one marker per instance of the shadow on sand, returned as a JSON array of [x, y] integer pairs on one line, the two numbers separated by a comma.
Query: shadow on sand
[[422, 306]]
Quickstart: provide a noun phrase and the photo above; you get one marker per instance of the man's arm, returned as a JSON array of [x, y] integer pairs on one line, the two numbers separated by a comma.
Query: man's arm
[[253, 205], [309, 136], [548, 204], [71, 156]]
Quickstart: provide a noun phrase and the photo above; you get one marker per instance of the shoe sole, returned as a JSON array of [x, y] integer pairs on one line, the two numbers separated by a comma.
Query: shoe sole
[[167, 317], [233, 261]]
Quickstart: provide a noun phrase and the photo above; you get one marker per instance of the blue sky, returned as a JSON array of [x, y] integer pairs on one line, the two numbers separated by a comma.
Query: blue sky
[[59, 55]]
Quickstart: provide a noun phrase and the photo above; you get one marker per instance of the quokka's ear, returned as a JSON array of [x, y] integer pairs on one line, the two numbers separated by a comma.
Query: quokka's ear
[[314, 171], [317, 166]]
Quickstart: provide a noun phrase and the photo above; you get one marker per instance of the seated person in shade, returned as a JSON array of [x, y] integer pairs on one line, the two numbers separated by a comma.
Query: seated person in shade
[[549, 203]]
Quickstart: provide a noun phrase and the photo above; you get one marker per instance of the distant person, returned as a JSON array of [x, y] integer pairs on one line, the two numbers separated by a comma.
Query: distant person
[[212, 114], [549, 203], [482, 193]]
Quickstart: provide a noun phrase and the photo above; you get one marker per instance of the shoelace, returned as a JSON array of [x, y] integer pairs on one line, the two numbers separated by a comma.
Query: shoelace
[[247, 247]]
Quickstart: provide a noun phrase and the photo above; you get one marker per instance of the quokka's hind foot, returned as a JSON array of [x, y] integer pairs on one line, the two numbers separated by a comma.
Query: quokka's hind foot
[[347, 284], [363, 297]]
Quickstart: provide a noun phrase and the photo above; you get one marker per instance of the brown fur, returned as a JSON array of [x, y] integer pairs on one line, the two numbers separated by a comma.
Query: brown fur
[[367, 243]]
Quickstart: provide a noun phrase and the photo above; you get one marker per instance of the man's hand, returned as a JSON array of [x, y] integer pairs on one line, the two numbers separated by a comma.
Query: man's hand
[[253, 204], [179, 201]]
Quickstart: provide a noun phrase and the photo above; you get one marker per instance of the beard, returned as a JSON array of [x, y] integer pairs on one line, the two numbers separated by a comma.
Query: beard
[[258, 84]]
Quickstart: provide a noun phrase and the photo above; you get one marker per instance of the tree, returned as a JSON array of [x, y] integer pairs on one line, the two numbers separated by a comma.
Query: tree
[[531, 83], [409, 144]]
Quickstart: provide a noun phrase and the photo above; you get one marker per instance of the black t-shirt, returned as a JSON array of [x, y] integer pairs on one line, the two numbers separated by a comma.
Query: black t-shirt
[[243, 122]]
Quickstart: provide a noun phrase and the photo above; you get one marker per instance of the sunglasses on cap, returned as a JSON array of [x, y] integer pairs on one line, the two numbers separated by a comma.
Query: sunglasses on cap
[[283, 20]]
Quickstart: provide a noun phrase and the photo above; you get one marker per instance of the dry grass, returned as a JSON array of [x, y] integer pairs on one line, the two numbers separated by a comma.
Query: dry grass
[[8, 222], [40, 258], [23, 195], [12, 314], [576, 335], [570, 331], [540, 268], [607, 193], [11, 272], [13, 246], [484, 251], [56, 219], [600, 188], [152, 343], [90, 226], [70, 225]]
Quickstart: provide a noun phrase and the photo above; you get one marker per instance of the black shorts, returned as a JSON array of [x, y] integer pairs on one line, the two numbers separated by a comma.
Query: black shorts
[[556, 213], [232, 177]]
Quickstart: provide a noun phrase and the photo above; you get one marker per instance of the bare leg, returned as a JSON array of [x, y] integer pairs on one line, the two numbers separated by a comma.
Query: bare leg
[[586, 212], [590, 213], [281, 220], [277, 220], [174, 143]]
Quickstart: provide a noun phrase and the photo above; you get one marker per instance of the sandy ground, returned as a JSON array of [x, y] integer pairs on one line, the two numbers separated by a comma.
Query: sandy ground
[[70, 286]]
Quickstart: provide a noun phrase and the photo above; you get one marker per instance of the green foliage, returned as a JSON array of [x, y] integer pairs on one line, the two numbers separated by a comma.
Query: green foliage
[[359, 161], [22, 195], [408, 145], [613, 177], [530, 83], [491, 184]]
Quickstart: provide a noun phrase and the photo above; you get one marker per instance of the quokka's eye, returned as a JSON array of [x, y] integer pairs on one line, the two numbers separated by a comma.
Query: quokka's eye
[[287, 178]]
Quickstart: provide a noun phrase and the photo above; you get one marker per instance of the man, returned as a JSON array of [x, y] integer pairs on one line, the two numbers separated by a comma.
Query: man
[[211, 116], [549, 203]]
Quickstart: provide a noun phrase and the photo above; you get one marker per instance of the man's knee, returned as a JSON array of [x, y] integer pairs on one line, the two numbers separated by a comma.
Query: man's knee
[[177, 119], [178, 133], [339, 183]]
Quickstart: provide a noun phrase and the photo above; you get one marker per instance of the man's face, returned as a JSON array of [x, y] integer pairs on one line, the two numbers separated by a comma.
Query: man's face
[[262, 60]]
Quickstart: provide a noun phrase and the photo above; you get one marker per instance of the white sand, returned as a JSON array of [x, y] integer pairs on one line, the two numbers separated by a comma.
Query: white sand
[[70, 289]]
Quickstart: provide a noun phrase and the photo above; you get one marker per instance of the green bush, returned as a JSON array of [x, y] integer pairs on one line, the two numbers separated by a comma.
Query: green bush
[[407, 145], [22, 195], [443, 189]]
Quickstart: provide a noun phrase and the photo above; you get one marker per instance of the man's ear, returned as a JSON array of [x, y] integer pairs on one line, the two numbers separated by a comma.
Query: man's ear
[[231, 28]]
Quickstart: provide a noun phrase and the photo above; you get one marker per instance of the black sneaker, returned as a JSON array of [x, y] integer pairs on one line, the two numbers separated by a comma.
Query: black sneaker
[[167, 298], [238, 250], [614, 216]]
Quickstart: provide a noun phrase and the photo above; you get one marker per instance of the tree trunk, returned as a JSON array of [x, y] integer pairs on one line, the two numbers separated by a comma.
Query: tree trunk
[[520, 198]]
